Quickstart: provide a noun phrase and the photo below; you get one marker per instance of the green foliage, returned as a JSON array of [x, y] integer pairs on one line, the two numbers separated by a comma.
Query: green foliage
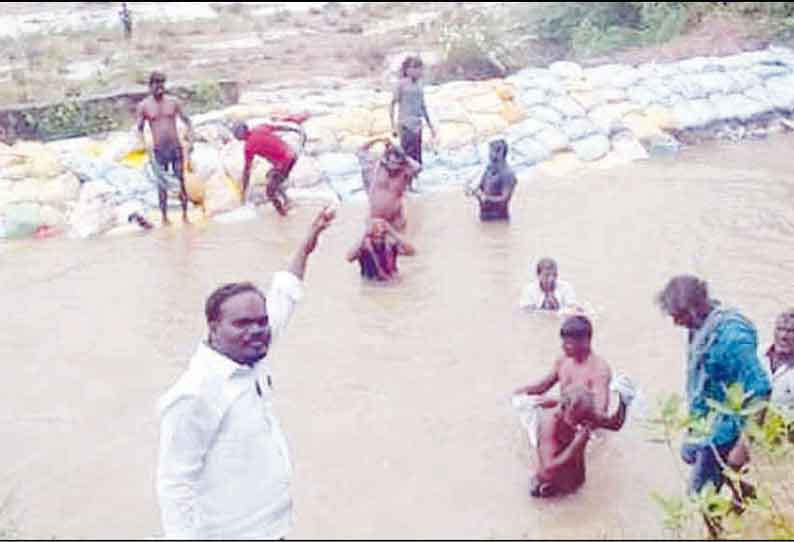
[[587, 28], [72, 118], [205, 96], [769, 512]]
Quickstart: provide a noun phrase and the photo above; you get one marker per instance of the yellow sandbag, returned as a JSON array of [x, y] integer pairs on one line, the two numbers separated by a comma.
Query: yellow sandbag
[[221, 194], [135, 159], [95, 148], [195, 188]]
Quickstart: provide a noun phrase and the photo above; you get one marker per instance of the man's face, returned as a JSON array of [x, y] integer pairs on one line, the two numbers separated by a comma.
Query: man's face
[[784, 336], [414, 71], [242, 331], [684, 318], [576, 347], [157, 87], [377, 232], [393, 161], [547, 278], [496, 151]]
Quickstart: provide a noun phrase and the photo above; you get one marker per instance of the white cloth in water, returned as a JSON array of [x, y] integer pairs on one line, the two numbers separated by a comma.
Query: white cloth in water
[[529, 410], [532, 297], [224, 468]]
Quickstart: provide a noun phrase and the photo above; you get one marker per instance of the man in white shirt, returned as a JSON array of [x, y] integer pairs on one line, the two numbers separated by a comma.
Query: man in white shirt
[[781, 365], [548, 293], [224, 469]]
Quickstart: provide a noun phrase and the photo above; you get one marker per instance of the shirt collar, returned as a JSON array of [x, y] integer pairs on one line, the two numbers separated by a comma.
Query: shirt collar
[[223, 365]]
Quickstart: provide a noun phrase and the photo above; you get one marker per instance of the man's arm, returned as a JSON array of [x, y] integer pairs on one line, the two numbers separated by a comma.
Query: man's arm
[[188, 427], [180, 111], [393, 106], [403, 247], [614, 422], [298, 264], [140, 118], [354, 253], [542, 386], [427, 116]]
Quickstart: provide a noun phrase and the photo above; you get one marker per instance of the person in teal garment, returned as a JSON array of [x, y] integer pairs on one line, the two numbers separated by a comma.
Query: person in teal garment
[[722, 351]]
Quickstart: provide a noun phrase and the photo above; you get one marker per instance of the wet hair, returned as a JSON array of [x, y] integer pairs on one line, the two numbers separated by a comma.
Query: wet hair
[[395, 153], [212, 309], [500, 145], [408, 62], [683, 293], [544, 263], [576, 327], [239, 129], [156, 76]]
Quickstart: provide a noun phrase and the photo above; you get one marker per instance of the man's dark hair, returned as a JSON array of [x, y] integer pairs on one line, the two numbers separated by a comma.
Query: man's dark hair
[[576, 327], [681, 293], [156, 76], [546, 262], [408, 62], [212, 309]]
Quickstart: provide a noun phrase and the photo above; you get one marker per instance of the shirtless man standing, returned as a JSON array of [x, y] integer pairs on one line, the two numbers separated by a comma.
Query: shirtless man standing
[[578, 367], [563, 436], [161, 111], [386, 179]]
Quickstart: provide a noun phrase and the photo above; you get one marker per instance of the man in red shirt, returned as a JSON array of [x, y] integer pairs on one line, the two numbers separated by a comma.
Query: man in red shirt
[[263, 141]]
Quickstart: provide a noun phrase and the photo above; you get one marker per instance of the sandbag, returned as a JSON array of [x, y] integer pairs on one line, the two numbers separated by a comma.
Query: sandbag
[[195, 188], [94, 213], [21, 220], [221, 194]]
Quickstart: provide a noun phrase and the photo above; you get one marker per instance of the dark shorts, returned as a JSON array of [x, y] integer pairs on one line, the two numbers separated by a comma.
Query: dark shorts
[[706, 468], [493, 214], [281, 171], [170, 157], [411, 142]]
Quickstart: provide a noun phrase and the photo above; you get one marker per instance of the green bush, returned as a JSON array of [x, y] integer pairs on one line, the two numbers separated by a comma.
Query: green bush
[[586, 28], [769, 513]]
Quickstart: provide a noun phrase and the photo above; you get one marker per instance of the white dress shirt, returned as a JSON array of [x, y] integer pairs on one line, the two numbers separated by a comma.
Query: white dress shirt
[[532, 297], [224, 469]]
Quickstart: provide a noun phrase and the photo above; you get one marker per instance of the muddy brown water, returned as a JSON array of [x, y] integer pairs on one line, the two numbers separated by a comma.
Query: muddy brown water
[[395, 399]]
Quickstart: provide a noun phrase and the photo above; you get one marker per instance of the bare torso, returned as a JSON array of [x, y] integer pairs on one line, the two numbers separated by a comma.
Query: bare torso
[[161, 116], [593, 374], [386, 197]]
